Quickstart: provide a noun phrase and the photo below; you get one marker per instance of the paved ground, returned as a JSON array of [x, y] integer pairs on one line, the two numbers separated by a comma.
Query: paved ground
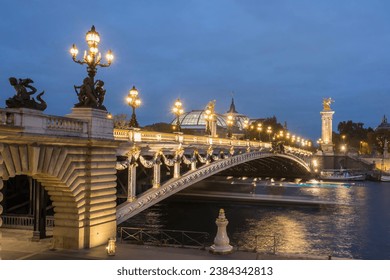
[[17, 245]]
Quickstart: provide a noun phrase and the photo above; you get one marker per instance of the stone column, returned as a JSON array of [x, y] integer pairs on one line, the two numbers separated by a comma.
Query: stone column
[[1, 194], [131, 182], [156, 175], [39, 210], [193, 165], [176, 169], [327, 144]]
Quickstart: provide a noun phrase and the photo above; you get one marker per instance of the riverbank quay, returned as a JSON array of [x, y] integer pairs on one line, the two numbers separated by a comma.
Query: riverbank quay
[[17, 245]]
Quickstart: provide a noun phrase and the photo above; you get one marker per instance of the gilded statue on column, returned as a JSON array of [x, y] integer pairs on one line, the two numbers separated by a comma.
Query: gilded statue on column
[[326, 103]]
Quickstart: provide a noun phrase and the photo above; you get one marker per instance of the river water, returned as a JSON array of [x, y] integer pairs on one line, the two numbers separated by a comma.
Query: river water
[[356, 223]]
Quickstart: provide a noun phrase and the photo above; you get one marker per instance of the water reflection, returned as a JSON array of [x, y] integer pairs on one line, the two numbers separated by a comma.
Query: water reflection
[[356, 226]]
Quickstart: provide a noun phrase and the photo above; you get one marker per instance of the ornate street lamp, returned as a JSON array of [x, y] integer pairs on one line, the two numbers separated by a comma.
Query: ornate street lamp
[[209, 115], [178, 110], [229, 122], [91, 93], [133, 101]]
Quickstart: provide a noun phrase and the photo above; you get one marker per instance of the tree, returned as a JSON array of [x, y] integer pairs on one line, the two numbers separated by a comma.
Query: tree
[[272, 122], [159, 127], [353, 135]]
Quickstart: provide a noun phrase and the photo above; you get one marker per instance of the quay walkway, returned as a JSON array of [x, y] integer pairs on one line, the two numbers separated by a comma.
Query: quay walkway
[[17, 245]]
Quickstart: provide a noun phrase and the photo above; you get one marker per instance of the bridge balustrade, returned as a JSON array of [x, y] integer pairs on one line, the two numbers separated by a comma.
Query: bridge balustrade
[[185, 139], [33, 121]]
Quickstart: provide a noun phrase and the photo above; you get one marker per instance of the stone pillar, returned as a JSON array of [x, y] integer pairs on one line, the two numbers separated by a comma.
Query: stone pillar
[[156, 175], [39, 210], [131, 182], [221, 241], [327, 144], [1, 194], [99, 126], [193, 165], [176, 169]]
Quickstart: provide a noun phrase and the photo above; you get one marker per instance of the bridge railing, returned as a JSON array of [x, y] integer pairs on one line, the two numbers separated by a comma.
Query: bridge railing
[[158, 237], [6, 118], [36, 122], [23, 222], [188, 139]]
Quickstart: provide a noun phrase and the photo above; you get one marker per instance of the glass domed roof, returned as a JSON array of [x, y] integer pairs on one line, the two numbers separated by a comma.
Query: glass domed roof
[[195, 119]]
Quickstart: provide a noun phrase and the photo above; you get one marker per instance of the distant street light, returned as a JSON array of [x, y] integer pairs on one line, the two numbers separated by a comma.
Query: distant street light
[[134, 102], [246, 128], [178, 110], [229, 122], [259, 129], [91, 93], [269, 131]]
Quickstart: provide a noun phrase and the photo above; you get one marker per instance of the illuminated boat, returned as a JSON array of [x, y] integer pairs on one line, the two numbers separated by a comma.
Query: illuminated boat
[[341, 175]]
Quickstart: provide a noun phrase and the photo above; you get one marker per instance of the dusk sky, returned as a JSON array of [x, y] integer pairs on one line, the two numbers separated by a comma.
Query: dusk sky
[[278, 57]]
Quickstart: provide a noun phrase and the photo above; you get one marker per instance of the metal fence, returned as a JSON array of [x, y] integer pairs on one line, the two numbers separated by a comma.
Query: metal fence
[[158, 237], [267, 243], [23, 222]]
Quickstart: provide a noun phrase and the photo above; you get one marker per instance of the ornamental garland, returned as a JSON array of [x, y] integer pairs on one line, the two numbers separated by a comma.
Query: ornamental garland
[[135, 154], [168, 161], [146, 163], [187, 161]]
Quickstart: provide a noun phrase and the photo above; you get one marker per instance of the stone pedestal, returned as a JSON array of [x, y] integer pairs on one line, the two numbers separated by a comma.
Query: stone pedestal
[[221, 241], [99, 125]]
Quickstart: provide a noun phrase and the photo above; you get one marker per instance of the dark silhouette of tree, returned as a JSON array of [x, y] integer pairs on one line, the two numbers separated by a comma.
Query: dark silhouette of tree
[[159, 127], [353, 135]]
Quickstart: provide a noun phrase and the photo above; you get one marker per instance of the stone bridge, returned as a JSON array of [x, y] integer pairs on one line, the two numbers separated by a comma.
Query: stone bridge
[[76, 160]]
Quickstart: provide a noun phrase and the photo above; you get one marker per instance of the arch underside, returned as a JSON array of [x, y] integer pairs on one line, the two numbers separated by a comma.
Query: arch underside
[[248, 164], [274, 166]]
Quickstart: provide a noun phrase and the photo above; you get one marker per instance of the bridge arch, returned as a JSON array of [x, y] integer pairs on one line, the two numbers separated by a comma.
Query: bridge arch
[[128, 209], [80, 182]]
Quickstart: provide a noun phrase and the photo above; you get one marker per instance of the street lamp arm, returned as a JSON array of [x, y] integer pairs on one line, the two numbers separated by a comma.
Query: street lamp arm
[[78, 61], [103, 64]]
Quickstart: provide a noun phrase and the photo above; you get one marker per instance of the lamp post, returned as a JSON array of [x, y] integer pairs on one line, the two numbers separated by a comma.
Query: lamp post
[[246, 128], [134, 102], [229, 122], [209, 115], [259, 129], [269, 131], [91, 93], [178, 110]]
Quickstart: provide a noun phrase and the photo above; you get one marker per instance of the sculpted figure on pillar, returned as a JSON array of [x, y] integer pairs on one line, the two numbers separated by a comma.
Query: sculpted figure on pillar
[[22, 98], [326, 103]]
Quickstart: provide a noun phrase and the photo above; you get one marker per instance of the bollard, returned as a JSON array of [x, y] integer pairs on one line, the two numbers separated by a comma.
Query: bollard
[[221, 241], [111, 247]]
